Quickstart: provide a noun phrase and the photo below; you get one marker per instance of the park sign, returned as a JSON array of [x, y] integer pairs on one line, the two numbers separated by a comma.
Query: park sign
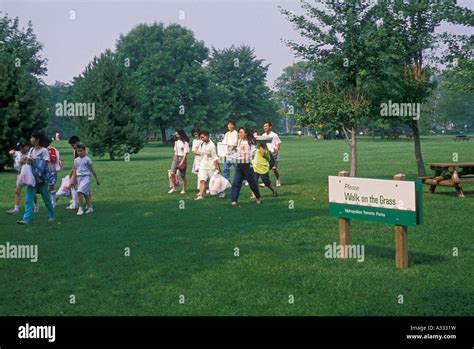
[[386, 201]]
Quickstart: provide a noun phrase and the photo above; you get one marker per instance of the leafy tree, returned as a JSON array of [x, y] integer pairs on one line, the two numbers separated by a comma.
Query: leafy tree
[[113, 129], [165, 67], [336, 41], [22, 97], [241, 78], [416, 23]]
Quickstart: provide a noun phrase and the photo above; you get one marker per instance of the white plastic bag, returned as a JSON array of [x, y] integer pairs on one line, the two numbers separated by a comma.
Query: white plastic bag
[[218, 184], [65, 188], [26, 176]]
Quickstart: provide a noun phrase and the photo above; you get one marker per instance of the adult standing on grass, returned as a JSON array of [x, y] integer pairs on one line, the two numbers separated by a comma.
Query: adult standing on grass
[[74, 204], [243, 170], [208, 165], [230, 138], [181, 150], [38, 158], [274, 147], [197, 158]]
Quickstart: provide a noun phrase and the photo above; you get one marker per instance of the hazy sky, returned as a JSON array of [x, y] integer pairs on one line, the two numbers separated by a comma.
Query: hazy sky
[[69, 45]]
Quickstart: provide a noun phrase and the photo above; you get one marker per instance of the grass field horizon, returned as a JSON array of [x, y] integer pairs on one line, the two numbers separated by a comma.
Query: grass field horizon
[[190, 251]]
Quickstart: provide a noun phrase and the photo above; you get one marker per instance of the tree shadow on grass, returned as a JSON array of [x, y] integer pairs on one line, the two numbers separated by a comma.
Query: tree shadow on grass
[[414, 257]]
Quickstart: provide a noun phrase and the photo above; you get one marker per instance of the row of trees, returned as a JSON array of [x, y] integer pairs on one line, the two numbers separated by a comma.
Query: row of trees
[[161, 77], [158, 77], [363, 54]]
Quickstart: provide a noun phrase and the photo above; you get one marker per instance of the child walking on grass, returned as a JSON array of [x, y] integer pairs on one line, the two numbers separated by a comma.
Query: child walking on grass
[[261, 167], [83, 168], [20, 154]]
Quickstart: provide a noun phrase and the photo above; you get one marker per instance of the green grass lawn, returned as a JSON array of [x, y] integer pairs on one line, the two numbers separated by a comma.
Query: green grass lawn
[[190, 251]]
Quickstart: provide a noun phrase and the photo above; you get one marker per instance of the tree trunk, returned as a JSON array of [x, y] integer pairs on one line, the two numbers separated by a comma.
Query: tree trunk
[[420, 164], [2, 167], [163, 134], [353, 171], [111, 155]]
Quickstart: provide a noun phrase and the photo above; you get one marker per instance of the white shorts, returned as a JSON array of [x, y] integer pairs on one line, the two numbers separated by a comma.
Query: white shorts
[[83, 184], [204, 175]]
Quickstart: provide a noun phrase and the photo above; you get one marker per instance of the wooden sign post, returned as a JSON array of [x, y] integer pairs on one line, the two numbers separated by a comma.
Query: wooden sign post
[[344, 227], [401, 237], [397, 202]]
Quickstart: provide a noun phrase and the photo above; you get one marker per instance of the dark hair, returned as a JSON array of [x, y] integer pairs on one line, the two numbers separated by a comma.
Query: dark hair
[[267, 122], [248, 136], [74, 140], [195, 130], [21, 144], [255, 131], [262, 145], [230, 122], [43, 140], [80, 146], [204, 132], [182, 135]]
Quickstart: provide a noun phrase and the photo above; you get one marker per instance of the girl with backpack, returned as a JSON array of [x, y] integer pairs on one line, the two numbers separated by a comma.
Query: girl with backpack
[[38, 158]]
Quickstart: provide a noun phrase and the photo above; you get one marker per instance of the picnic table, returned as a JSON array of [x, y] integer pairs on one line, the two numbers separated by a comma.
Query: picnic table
[[450, 174], [461, 137]]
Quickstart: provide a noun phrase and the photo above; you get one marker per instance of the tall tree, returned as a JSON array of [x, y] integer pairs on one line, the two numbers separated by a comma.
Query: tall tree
[[112, 130], [242, 80], [335, 33], [165, 67], [417, 25], [23, 105]]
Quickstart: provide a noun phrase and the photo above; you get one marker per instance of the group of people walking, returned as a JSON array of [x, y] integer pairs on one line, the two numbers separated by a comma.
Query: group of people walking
[[38, 164], [251, 155]]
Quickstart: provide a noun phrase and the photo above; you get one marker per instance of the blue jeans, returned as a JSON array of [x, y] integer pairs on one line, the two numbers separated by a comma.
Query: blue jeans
[[227, 165], [265, 178], [30, 195], [243, 171]]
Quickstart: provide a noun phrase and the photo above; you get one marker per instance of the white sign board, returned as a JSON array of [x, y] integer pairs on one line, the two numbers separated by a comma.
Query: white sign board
[[391, 194]]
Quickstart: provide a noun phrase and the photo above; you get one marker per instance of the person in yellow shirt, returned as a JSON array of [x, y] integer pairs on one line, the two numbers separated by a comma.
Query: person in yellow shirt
[[261, 166]]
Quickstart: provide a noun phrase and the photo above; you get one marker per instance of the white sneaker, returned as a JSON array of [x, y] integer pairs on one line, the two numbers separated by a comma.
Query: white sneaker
[[36, 209], [262, 184], [182, 192], [207, 191], [278, 183], [80, 211], [71, 207], [89, 210], [171, 191], [199, 197], [13, 211], [222, 195], [246, 183]]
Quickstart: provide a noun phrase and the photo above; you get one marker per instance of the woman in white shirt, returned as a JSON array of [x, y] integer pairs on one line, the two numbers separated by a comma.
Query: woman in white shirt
[[181, 150], [197, 155], [243, 170]]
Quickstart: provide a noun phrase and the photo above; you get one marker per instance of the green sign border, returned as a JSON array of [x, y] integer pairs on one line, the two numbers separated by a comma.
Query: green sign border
[[400, 217]]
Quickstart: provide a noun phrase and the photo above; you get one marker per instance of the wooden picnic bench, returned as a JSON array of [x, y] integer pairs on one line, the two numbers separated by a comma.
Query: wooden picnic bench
[[447, 175], [461, 137]]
